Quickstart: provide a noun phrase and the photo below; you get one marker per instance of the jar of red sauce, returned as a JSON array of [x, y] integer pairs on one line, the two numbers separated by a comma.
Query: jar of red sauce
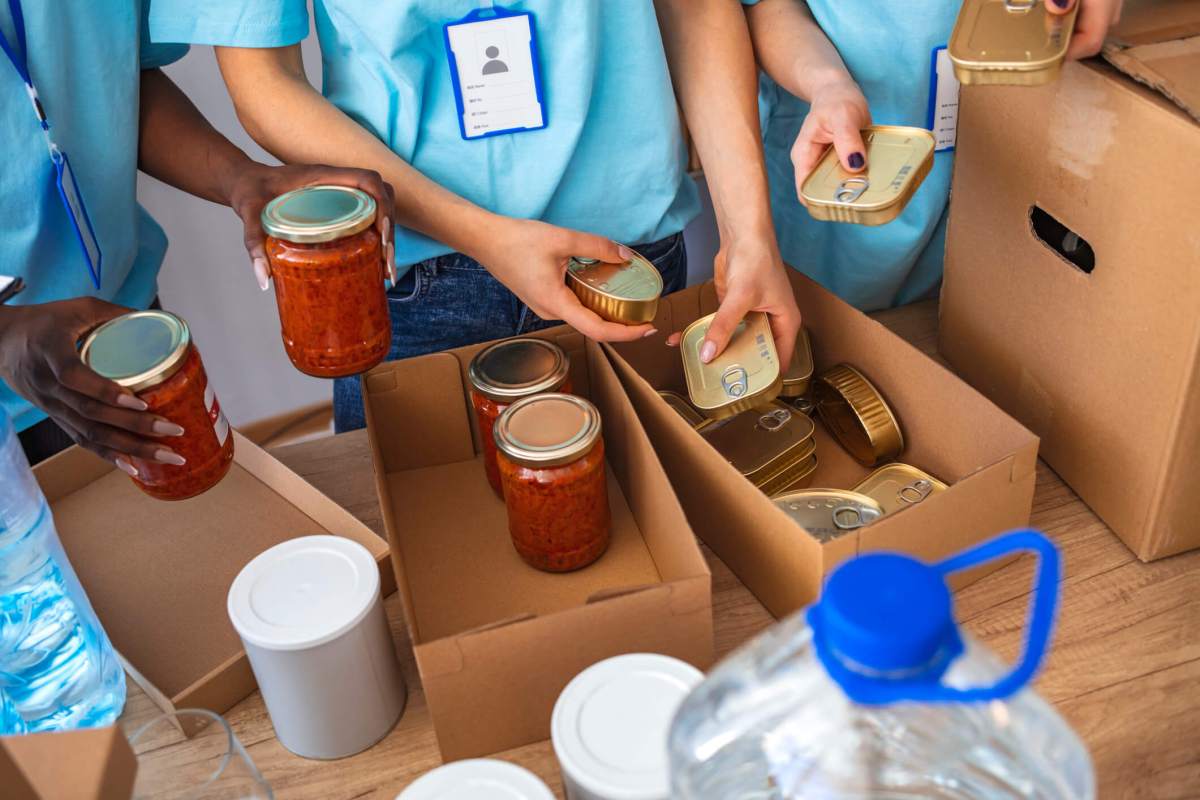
[[328, 268], [551, 460], [151, 353], [506, 372]]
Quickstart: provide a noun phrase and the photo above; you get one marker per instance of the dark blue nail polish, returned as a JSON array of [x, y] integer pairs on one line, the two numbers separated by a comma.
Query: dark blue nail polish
[[1062, 3], [855, 160]]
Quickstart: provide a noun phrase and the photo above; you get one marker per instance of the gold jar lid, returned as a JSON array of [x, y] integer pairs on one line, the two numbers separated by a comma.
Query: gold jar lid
[[897, 486], [764, 444], [137, 350], [1016, 42], [682, 407], [858, 416], [626, 293], [313, 214], [548, 430], [828, 513], [744, 376], [898, 159], [516, 368], [798, 376]]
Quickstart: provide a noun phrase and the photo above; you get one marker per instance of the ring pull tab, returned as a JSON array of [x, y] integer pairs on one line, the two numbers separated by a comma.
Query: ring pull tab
[[850, 518], [915, 492], [851, 189], [774, 420], [735, 380], [1019, 6]]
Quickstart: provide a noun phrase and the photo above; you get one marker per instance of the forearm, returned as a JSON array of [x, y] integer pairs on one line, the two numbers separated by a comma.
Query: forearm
[[792, 48], [716, 83], [177, 145], [295, 123]]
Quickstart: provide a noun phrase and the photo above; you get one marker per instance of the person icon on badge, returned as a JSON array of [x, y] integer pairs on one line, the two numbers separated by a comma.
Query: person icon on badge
[[495, 66]]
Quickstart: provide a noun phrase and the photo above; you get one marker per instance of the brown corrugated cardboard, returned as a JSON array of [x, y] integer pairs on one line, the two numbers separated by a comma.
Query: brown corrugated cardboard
[[496, 640], [91, 764], [158, 573], [1103, 364], [951, 431]]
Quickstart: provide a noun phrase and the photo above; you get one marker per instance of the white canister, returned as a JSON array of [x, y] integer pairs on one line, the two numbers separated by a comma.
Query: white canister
[[310, 616], [477, 779], [610, 726]]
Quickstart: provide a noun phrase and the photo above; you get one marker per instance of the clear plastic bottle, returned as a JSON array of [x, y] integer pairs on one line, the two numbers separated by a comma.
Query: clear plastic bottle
[[57, 667], [875, 693]]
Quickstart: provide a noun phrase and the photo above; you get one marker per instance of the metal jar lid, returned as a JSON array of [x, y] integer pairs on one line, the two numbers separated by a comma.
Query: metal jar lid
[[137, 350], [548, 430], [1016, 42], [626, 293], [516, 368], [857, 415], [898, 159], [744, 376], [897, 486], [318, 214], [828, 513], [798, 375]]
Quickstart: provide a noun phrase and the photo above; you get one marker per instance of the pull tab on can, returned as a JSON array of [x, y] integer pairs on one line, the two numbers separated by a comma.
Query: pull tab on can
[[1019, 6], [851, 189], [735, 381]]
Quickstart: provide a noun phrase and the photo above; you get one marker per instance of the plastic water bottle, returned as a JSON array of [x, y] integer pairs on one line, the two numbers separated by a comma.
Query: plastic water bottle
[[57, 667], [874, 692]]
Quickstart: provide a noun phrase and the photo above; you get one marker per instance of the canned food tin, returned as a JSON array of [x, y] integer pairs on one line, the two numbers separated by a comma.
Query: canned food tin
[[804, 404], [683, 408], [770, 446], [744, 376], [857, 415], [897, 486], [898, 159], [829, 513], [626, 293], [798, 376], [803, 479], [1016, 42]]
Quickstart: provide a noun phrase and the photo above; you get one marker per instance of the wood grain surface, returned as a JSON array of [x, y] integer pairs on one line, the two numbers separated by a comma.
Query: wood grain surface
[[1124, 670]]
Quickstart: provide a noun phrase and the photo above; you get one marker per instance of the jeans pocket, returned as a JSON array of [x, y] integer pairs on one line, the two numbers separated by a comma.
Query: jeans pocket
[[669, 257], [413, 286]]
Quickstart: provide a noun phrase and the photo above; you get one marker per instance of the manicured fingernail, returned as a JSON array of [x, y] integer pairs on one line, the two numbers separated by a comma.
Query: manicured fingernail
[[260, 273], [707, 351], [856, 160], [165, 456], [625, 252], [1062, 3], [163, 428], [649, 333], [129, 401], [126, 467], [385, 238]]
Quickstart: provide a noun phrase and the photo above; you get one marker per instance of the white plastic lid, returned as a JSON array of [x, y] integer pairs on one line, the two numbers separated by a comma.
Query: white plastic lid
[[610, 725], [303, 592], [477, 779]]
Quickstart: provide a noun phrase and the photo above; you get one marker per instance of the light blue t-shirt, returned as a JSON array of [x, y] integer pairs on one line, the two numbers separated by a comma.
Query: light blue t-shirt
[[85, 58], [611, 160], [887, 46]]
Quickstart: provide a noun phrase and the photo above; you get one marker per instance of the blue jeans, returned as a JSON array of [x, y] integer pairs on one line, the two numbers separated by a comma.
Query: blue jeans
[[452, 301]]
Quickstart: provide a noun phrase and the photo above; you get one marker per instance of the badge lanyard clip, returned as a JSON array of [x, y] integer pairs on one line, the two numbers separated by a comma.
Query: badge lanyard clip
[[68, 187]]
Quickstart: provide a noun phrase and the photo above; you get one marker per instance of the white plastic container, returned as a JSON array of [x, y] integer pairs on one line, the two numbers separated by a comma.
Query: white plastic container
[[310, 616], [610, 726], [478, 779]]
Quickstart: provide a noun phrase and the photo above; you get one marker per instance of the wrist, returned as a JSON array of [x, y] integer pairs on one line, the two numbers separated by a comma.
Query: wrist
[[830, 80], [231, 172]]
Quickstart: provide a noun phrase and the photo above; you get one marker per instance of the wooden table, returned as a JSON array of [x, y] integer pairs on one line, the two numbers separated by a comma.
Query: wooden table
[[1124, 670]]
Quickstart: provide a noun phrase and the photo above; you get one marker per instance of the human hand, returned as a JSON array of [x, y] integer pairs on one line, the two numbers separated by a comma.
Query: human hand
[[1091, 25], [39, 360], [530, 258], [837, 114], [254, 187]]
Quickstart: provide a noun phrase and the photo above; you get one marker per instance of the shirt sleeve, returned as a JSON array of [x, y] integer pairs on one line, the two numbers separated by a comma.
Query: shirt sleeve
[[228, 23], [151, 54]]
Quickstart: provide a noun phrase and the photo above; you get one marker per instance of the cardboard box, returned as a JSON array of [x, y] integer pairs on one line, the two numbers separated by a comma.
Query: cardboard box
[[158, 573], [951, 431], [90, 764], [495, 640], [1095, 347]]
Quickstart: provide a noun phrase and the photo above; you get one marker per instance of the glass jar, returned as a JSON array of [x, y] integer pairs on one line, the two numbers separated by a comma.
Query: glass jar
[[328, 266], [151, 353], [506, 372], [550, 457]]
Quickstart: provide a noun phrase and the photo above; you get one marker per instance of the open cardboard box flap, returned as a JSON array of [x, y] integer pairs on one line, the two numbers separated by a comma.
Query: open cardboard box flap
[[950, 430], [496, 640], [89, 764], [1158, 44], [158, 573]]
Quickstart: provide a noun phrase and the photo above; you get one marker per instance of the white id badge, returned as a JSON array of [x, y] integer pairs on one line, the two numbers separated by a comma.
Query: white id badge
[[943, 100], [68, 190], [493, 59]]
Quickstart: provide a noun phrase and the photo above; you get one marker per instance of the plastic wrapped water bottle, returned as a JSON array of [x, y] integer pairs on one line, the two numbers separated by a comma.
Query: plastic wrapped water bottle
[[874, 692], [57, 667]]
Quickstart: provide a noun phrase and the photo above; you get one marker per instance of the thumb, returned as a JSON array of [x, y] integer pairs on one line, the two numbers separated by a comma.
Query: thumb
[[587, 245], [848, 143], [1060, 6], [721, 329]]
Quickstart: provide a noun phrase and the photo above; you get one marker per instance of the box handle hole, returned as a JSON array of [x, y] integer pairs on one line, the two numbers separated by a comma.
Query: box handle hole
[[1062, 240]]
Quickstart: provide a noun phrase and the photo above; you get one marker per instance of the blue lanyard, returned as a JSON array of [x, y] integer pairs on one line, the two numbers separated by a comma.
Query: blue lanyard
[[21, 65]]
